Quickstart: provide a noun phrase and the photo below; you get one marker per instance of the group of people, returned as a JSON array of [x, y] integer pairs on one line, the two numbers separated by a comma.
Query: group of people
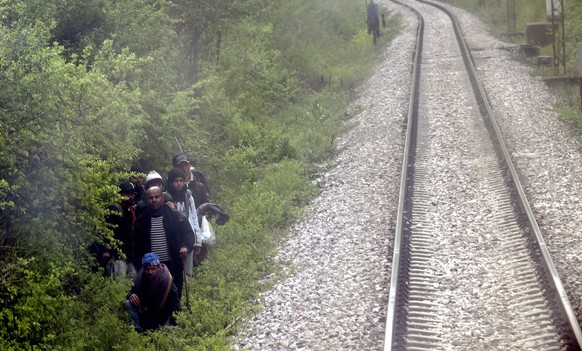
[[158, 231]]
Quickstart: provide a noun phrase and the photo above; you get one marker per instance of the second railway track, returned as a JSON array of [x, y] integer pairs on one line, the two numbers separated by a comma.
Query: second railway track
[[461, 196]]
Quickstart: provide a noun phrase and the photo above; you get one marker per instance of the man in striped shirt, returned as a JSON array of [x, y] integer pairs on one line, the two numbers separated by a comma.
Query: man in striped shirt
[[166, 232]]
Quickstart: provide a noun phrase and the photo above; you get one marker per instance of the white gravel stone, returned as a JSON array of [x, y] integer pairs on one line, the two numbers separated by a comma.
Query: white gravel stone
[[339, 256], [542, 145]]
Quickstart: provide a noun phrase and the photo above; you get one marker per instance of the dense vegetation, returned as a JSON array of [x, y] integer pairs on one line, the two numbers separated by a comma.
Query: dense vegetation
[[92, 91], [495, 13]]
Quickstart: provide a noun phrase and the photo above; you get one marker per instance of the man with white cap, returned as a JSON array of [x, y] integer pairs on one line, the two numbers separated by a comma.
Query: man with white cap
[[152, 179]]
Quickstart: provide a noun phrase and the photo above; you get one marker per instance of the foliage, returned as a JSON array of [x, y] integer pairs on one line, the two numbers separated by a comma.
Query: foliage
[[495, 13], [573, 29], [498, 14], [574, 116], [90, 89], [569, 106], [49, 105], [317, 58], [58, 308]]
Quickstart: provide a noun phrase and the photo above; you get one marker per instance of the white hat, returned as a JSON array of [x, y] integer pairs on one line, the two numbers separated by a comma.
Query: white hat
[[152, 175]]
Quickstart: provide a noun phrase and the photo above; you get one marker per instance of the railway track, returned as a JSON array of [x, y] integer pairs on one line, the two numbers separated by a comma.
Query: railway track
[[460, 193]]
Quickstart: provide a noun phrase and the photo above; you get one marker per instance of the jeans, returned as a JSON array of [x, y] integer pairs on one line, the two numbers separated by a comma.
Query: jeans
[[143, 321]]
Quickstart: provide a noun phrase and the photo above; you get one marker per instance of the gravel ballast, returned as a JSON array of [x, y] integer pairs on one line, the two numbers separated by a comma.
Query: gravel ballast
[[339, 256]]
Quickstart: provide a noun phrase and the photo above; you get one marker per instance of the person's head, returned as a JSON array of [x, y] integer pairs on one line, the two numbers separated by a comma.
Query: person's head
[[155, 198], [127, 190], [151, 264], [137, 180], [176, 179], [182, 162], [154, 179]]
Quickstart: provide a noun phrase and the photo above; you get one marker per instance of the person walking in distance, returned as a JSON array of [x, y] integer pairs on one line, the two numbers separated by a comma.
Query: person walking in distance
[[373, 20]]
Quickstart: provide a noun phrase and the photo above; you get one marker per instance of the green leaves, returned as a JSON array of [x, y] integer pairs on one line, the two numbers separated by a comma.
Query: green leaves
[[256, 106], [32, 305]]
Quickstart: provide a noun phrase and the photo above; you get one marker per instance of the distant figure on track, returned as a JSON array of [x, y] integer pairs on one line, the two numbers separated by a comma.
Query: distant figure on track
[[373, 20]]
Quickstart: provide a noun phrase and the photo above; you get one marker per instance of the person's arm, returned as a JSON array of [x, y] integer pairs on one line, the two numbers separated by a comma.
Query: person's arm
[[132, 294], [184, 232], [169, 200], [204, 192], [187, 237], [193, 219], [134, 299], [100, 252]]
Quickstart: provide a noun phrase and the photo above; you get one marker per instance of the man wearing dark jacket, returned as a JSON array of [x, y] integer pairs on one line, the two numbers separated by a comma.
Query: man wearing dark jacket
[[195, 180], [153, 297], [166, 232]]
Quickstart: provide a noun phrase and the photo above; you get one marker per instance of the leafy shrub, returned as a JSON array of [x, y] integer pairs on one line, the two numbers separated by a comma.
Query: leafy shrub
[[256, 108]]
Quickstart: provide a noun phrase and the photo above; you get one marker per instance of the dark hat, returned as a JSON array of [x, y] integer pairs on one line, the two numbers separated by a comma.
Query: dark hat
[[180, 159], [175, 173], [126, 188]]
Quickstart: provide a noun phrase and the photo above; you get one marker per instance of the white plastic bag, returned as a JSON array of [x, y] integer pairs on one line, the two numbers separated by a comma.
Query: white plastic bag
[[207, 236]]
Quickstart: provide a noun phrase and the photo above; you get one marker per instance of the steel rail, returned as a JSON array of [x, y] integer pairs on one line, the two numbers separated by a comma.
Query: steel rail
[[405, 180], [408, 155], [487, 111]]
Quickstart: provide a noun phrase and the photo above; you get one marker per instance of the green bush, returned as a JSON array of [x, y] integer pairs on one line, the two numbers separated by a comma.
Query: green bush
[[257, 109]]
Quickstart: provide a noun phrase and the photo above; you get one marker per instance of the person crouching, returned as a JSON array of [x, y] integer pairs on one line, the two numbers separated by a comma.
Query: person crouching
[[153, 297]]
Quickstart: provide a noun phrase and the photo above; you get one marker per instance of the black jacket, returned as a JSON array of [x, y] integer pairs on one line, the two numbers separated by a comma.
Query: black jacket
[[178, 234], [199, 188], [123, 217]]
